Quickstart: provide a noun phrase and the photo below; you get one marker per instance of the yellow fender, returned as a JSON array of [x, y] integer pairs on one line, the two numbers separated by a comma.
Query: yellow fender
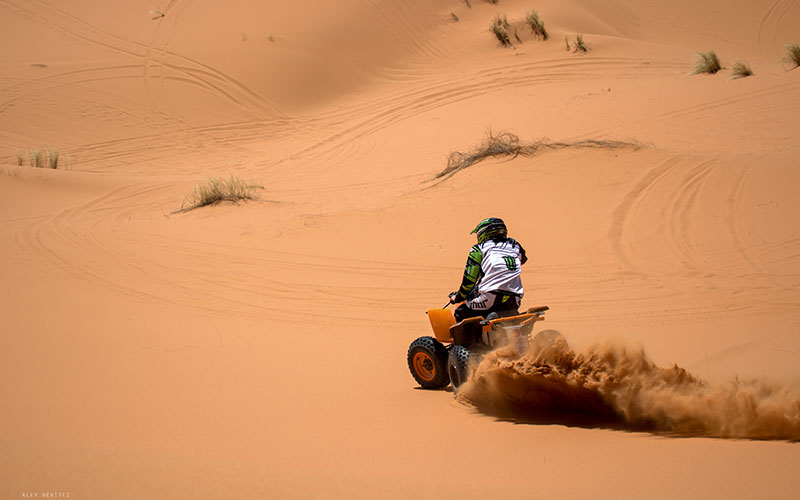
[[441, 321]]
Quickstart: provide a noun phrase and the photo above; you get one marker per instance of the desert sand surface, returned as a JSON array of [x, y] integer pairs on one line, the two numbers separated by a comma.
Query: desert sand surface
[[258, 349]]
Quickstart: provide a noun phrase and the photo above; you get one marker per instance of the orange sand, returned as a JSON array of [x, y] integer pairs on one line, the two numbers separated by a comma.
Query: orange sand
[[258, 350]]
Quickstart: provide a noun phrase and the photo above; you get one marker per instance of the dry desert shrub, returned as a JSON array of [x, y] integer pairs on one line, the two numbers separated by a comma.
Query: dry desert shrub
[[793, 55], [499, 28], [39, 158], [537, 25], [493, 2], [706, 62], [508, 144], [740, 70], [216, 190], [502, 144], [580, 46]]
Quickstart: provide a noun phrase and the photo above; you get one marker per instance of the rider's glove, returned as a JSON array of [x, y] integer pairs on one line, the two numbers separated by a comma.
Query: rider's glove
[[453, 297]]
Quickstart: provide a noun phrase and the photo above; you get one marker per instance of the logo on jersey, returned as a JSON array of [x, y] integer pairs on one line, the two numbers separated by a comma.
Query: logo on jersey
[[511, 263]]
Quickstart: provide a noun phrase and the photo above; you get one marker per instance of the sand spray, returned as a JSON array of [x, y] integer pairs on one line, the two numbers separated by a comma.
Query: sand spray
[[614, 385]]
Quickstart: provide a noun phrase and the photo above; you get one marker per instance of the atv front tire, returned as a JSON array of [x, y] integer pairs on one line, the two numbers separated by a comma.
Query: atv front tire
[[459, 363], [427, 360]]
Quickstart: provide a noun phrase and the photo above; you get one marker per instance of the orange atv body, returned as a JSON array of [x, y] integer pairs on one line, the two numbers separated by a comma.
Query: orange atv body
[[436, 362], [479, 330]]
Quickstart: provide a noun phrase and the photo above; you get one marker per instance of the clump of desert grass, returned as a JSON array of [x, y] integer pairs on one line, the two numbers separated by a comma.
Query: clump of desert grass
[[537, 25], [506, 144], [706, 62], [793, 55], [217, 190], [39, 158], [499, 29], [579, 47], [740, 69]]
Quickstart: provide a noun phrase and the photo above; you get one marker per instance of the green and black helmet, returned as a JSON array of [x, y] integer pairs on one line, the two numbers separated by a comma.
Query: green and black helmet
[[490, 228]]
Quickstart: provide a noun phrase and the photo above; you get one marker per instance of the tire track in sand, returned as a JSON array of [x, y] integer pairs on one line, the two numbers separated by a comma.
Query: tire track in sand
[[683, 214], [95, 244], [772, 17], [775, 96], [213, 80], [372, 115], [630, 206], [73, 245], [171, 20], [734, 202]]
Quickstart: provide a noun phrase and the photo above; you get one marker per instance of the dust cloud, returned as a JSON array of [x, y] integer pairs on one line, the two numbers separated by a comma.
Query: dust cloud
[[613, 385]]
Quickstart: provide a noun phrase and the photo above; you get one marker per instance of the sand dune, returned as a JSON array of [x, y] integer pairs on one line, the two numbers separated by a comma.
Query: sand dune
[[258, 349]]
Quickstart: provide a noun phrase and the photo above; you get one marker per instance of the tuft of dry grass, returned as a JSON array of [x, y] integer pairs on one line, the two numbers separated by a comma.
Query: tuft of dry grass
[[502, 144], [740, 70], [39, 158], [793, 55], [706, 62], [500, 28], [580, 46], [216, 190], [506, 144], [537, 25]]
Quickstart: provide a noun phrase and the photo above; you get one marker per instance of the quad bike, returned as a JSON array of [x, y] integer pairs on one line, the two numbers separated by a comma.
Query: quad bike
[[435, 362]]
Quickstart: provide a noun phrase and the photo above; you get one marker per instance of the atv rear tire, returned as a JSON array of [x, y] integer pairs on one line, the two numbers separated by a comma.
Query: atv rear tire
[[459, 363], [427, 360]]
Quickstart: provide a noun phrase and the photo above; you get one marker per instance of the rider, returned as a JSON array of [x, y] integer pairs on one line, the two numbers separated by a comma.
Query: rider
[[491, 280]]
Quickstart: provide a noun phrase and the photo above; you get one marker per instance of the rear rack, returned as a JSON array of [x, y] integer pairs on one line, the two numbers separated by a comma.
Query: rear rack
[[531, 316]]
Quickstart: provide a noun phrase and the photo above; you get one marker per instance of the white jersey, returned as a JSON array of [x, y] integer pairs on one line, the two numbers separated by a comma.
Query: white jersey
[[501, 267]]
